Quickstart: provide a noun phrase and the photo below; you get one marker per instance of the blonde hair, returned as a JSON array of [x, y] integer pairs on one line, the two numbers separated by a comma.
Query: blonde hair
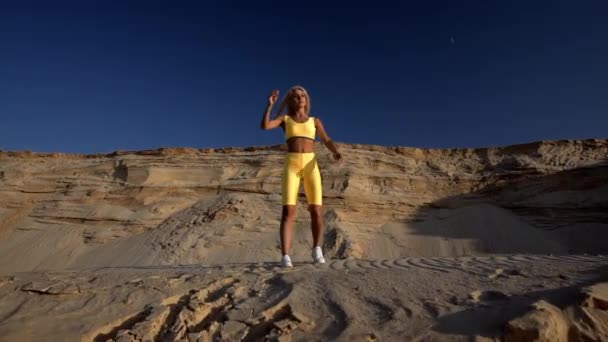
[[286, 101]]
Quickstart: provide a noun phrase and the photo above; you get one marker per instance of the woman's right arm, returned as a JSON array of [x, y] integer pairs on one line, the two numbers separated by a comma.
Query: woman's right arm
[[267, 123]]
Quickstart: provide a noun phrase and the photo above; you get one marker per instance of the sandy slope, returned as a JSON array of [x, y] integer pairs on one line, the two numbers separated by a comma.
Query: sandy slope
[[413, 299]]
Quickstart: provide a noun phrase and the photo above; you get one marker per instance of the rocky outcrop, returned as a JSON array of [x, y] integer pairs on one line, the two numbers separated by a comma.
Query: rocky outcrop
[[545, 323], [183, 205], [586, 320]]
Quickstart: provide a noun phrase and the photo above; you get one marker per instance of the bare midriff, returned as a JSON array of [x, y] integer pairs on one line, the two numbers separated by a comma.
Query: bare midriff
[[300, 145]]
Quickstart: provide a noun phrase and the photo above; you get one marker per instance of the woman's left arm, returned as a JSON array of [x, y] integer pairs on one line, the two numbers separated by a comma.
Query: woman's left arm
[[327, 140]]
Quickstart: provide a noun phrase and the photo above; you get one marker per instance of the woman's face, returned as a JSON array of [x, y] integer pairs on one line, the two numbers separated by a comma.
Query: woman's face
[[298, 98]]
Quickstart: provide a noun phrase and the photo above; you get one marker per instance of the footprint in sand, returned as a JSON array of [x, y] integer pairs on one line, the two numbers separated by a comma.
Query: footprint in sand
[[504, 273], [178, 280], [488, 297]]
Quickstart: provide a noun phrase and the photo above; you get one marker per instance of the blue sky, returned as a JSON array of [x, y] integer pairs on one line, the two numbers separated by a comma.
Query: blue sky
[[100, 76]]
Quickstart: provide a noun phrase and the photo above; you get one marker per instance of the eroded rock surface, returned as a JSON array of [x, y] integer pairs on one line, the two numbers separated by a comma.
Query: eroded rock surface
[[183, 206]]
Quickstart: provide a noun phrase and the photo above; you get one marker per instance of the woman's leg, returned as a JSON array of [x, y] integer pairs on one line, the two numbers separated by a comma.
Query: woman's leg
[[314, 196], [316, 223], [289, 189], [287, 219]]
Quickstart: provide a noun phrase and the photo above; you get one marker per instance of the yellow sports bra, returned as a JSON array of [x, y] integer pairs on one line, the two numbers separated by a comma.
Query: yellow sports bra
[[295, 129]]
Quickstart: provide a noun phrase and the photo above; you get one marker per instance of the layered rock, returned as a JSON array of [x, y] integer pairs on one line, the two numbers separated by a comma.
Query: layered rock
[[183, 205], [586, 320]]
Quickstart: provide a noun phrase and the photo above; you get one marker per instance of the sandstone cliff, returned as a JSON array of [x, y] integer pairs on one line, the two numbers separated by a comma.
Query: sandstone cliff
[[183, 206]]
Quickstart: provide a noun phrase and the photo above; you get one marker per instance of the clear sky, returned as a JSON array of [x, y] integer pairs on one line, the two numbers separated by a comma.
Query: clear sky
[[100, 76]]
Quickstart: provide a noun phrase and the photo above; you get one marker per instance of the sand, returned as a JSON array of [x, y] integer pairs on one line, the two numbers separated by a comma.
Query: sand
[[494, 244], [413, 299]]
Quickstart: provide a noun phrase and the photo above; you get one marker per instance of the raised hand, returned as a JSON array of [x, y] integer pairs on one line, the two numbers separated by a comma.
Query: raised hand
[[274, 95]]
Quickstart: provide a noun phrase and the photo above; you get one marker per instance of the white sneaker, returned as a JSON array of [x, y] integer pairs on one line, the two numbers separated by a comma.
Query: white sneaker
[[286, 261], [317, 255]]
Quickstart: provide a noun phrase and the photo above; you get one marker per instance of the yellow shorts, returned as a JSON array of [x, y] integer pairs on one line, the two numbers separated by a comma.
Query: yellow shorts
[[297, 166]]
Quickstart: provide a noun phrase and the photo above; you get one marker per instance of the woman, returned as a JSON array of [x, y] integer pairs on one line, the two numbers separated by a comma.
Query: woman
[[300, 162]]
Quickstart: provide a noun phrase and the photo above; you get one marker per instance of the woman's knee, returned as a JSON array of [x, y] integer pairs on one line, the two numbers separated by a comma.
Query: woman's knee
[[316, 210], [289, 213]]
